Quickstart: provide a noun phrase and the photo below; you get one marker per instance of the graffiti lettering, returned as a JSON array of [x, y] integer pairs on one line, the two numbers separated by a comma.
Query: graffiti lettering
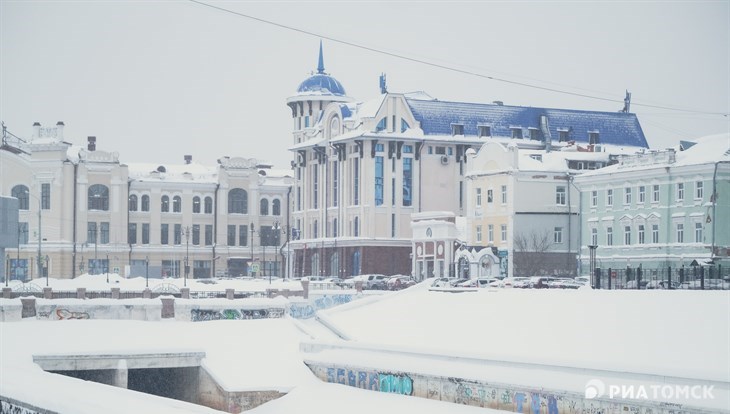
[[397, 384], [199, 315], [67, 314]]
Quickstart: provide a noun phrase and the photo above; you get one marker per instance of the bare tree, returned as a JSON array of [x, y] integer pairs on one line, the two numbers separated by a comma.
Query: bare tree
[[530, 252]]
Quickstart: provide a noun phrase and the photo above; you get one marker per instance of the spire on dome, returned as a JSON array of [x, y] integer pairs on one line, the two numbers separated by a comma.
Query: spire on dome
[[320, 67]]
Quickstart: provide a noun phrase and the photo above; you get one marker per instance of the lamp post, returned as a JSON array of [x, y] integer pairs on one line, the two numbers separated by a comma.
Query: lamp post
[[187, 254], [40, 237], [147, 271], [107, 268]]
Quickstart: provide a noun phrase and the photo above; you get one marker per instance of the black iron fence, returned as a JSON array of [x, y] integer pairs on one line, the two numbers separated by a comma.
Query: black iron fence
[[713, 277]]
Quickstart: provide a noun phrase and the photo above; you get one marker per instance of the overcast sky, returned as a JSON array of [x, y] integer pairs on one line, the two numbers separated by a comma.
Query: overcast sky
[[158, 80]]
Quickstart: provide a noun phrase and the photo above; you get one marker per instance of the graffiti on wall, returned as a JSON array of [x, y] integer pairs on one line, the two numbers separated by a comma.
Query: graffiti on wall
[[306, 310], [395, 383], [200, 315], [481, 394], [67, 314]]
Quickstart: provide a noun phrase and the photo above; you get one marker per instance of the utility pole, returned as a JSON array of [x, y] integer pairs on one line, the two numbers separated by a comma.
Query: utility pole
[[187, 254], [250, 266]]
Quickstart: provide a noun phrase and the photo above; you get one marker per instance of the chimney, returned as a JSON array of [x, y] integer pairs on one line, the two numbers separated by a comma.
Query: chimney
[[188, 159], [37, 130], [92, 143], [59, 130]]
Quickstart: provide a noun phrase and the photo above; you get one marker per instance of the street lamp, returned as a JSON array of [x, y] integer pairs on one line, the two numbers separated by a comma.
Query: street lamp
[[40, 258], [250, 267], [147, 271], [186, 232], [107, 268]]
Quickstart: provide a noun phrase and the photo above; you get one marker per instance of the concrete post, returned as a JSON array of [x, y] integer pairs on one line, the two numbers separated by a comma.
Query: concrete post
[[7, 292], [80, 293], [28, 307], [147, 293], [115, 293], [229, 294], [358, 286], [185, 293], [121, 375], [168, 308], [47, 293], [305, 286]]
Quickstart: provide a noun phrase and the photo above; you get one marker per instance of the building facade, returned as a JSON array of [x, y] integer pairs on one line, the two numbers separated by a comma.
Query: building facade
[[84, 211], [659, 209]]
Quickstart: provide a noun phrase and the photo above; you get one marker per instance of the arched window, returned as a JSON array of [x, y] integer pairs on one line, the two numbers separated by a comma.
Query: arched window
[[133, 202], [176, 204], [22, 194], [382, 125], [98, 197], [145, 203], [238, 201], [356, 229], [355, 270], [264, 210], [196, 204], [208, 205], [276, 207], [165, 204]]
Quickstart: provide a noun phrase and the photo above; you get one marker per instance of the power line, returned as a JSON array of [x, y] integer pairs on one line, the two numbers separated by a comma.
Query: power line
[[448, 68]]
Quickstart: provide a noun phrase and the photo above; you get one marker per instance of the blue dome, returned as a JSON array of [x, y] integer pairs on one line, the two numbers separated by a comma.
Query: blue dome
[[322, 83]]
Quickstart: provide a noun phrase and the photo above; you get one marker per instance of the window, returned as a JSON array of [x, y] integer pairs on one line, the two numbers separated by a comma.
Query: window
[[177, 235], [22, 194], [536, 157], [516, 133], [145, 203], [560, 195], [609, 236], [379, 181], [306, 121], [335, 184], [408, 149], [379, 148], [243, 235], [655, 233], [698, 232], [461, 194], [479, 234], [335, 229], [238, 201], [196, 204], [558, 235], [534, 134], [699, 190], [457, 129], [264, 206], [133, 202], [627, 235], [609, 197], [132, 233], [627, 195], [594, 199], [382, 125], [641, 234], [594, 237], [680, 191], [655, 194], [231, 239], [208, 205], [176, 204], [504, 232], [479, 197], [46, 196], [642, 194], [563, 136], [98, 197], [490, 196], [208, 234], [196, 234], [276, 207], [145, 233], [484, 131], [355, 181], [440, 150], [356, 227], [165, 204], [450, 150], [91, 232], [680, 233], [315, 187], [594, 138], [403, 125], [164, 233], [490, 233], [504, 194], [407, 174]]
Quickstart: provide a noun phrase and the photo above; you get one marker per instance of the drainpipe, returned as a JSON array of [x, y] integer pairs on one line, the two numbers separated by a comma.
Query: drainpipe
[[75, 208], [129, 254], [569, 180], [714, 205], [215, 226]]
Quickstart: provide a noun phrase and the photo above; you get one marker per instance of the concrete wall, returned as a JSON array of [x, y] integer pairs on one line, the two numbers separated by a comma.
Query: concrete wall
[[305, 309], [9, 405], [212, 395]]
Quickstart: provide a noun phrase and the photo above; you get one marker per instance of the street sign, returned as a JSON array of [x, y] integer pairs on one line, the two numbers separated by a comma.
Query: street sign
[[255, 267]]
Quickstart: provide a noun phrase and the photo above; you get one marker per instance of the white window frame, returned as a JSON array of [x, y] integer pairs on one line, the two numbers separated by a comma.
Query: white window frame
[[609, 236], [627, 235], [679, 232], [594, 236], [642, 194], [655, 193], [641, 230], [490, 233], [558, 235], [479, 197], [627, 195], [504, 194], [560, 196], [504, 232], [699, 190], [594, 198], [680, 191], [699, 232], [609, 197], [479, 233]]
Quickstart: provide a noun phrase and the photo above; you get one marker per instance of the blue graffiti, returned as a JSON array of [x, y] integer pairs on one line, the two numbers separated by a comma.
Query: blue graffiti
[[362, 379], [373, 384], [552, 405], [301, 311], [351, 378], [397, 384], [519, 399], [330, 375], [536, 403], [340, 376]]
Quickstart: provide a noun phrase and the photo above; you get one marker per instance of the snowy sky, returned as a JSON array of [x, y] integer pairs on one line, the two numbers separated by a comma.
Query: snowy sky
[[165, 75]]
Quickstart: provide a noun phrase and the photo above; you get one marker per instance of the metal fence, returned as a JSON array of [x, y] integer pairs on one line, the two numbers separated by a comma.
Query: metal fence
[[692, 278]]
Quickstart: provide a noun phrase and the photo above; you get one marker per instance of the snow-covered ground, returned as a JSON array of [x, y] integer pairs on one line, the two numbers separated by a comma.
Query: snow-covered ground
[[673, 333]]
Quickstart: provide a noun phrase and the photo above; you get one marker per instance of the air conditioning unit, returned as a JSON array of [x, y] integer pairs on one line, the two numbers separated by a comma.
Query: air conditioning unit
[[444, 159]]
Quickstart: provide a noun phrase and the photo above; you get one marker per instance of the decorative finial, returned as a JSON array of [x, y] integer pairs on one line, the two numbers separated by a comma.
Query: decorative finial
[[320, 67]]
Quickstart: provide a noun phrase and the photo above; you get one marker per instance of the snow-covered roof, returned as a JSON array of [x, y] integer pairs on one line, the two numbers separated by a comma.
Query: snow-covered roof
[[617, 128], [173, 172]]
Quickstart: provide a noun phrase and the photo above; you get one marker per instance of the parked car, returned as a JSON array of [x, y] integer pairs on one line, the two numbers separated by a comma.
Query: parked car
[[586, 280], [457, 282], [710, 284], [466, 283], [540, 282], [564, 283], [517, 282], [631, 284], [662, 284], [441, 282], [400, 282], [375, 281]]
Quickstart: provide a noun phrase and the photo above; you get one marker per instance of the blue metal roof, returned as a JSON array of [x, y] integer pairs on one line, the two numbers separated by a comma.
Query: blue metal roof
[[324, 84], [615, 128]]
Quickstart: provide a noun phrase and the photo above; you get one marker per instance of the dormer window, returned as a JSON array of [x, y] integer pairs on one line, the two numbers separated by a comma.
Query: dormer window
[[563, 134], [404, 125], [537, 157], [593, 137], [516, 132], [484, 131], [534, 134], [457, 129], [382, 125]]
